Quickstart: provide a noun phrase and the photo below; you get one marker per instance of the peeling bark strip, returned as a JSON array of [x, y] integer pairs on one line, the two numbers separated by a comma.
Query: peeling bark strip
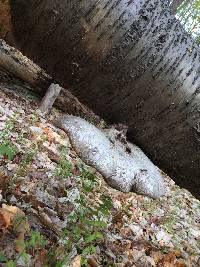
[[49, 98], [131, 62], [125, 172]]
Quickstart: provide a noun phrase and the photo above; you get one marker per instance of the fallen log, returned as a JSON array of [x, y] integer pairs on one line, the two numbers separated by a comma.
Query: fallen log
[[127, 171], [15, 63], [20, 66]]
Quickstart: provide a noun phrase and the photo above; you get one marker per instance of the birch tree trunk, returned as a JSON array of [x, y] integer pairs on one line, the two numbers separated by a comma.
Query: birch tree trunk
[[131, 62]]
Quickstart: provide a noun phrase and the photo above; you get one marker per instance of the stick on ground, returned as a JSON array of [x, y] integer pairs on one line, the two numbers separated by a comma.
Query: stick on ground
[[49, 98]]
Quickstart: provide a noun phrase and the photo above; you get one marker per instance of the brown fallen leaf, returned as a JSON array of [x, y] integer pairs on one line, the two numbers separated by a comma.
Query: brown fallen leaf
[[53, 157], [47, 222], [118, 216], [49, 134], [37, 175], [33, 200], [4, 179], [180, 263], [170, 260], [129, 264], [141, 244], [40, 258], [156, 255], [19, 242], [76, 170], [14, 218], [76, 261], [17, 158], [17, 217], [92, 262], [5, 220]]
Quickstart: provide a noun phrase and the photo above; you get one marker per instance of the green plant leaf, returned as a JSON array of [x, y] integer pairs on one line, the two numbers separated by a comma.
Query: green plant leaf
[[6, 150], [36, 240], [2, 257], [10, 264], [93, 237], [96, 223], [88, 250]]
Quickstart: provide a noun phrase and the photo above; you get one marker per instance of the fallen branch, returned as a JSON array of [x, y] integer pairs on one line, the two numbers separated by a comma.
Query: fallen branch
[[20, 66], [122, 170], [49, 98]]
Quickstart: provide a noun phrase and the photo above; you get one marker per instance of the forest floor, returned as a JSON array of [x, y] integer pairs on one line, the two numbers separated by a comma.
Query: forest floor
[[56, 211]]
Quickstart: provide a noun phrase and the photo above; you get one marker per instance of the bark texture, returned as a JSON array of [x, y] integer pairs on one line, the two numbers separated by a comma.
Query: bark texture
[[130, 61], [124, 171], [5, 18], [21, 67]]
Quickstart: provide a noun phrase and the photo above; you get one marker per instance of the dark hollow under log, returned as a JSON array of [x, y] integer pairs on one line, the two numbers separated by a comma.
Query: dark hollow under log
[[131, 62]]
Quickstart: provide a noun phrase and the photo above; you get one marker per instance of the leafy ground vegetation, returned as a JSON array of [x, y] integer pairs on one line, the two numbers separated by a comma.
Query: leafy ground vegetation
[[55, 211]]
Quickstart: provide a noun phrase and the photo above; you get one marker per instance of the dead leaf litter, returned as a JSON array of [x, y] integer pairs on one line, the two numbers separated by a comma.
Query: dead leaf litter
[[56, 211]]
